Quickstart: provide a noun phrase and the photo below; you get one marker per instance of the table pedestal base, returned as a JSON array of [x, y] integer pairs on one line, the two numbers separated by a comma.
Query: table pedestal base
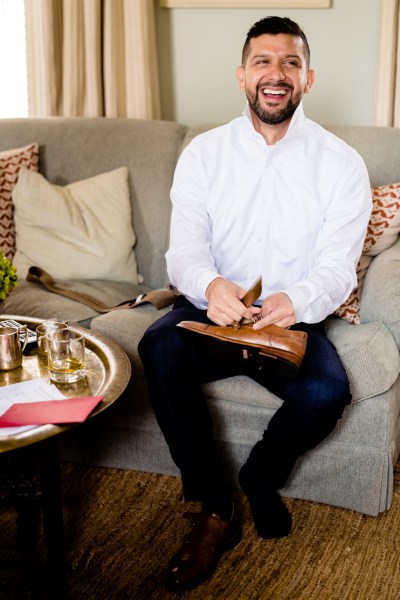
[[21, 487]]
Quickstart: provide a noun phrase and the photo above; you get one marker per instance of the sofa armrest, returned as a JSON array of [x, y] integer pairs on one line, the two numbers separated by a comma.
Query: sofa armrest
[[380, 297], [369, 354]]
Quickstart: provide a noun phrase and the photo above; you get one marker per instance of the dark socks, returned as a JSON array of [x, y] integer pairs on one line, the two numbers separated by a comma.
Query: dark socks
[[271, 517], [222, 506]]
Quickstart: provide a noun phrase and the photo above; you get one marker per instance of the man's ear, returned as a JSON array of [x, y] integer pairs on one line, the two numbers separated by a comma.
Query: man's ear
[[310, 80], [240, 77]]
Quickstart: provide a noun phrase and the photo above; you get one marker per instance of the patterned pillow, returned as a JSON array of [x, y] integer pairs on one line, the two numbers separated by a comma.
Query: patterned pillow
[[384, 224], [382, 232], [10, 164], [350, 310]]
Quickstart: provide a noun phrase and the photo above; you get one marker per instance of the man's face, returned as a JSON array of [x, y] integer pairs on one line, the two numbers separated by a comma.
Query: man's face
[[275, 77]]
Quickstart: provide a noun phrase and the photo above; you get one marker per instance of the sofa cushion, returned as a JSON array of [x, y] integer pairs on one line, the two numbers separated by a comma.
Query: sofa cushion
[[80, 231], [368, 350], [368, 353], [126, 328], [11, 162]]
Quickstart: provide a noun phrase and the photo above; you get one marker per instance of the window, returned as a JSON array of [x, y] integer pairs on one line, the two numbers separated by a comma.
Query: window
[[13, 71]]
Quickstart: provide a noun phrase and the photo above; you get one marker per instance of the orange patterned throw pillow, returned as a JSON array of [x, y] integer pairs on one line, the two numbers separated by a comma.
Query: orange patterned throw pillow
[[350, 310], [384, 224], [10, 163], [383, 230]]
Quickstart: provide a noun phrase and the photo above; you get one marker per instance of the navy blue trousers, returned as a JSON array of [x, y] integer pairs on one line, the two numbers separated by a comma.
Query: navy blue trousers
[[176, 368]]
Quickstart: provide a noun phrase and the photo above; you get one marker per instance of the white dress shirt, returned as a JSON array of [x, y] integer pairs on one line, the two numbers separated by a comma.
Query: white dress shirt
[[295, 212]]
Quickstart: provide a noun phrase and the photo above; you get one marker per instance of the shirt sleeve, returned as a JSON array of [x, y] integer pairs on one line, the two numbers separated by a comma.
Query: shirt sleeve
[[339, 245], [190, 263]]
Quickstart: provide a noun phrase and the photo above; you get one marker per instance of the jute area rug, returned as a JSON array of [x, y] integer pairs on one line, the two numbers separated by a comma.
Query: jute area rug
[[122, 527]]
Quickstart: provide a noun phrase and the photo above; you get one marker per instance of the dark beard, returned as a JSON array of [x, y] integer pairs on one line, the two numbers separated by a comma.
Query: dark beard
[[273, 118]]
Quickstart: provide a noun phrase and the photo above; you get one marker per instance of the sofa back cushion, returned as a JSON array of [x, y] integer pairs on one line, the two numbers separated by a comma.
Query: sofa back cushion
[[379, 147], [72, 149], [77, 148]]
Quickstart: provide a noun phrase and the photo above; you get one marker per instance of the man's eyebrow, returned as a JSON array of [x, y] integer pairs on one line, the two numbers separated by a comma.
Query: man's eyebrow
[[293, 56], [267, 54]]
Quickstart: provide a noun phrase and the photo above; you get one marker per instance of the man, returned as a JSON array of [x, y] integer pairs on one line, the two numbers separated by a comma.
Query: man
[[270, 193]]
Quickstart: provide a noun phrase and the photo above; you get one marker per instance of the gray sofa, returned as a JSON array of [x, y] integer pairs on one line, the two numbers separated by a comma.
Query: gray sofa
[[353, 467]]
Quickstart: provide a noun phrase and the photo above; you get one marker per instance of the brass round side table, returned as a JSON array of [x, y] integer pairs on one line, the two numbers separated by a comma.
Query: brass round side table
[[108, 371]]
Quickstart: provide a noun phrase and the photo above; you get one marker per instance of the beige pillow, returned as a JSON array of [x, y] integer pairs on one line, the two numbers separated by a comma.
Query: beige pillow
[[81, 231], [11, 162], [383, 230]]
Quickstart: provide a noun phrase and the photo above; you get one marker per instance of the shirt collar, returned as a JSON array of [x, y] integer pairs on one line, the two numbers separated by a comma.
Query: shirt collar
[[295, 124]]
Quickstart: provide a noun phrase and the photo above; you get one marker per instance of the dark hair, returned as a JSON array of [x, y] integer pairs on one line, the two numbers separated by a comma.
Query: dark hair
[[273, 26]]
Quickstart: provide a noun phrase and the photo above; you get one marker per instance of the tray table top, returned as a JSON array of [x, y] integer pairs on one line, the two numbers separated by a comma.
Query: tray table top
[[108, 371]]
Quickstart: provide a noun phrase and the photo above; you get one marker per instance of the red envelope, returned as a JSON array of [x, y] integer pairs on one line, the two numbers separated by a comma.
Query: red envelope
[[70, 410]]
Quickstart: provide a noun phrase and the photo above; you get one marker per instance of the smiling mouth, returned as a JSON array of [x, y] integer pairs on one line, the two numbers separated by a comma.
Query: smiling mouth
[[274, 94]]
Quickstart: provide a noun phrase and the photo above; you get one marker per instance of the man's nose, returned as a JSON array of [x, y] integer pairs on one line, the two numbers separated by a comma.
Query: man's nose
[[276, 72]]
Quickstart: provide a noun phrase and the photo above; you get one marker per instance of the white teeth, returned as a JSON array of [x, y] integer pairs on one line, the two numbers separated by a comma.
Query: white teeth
[[274, 92]]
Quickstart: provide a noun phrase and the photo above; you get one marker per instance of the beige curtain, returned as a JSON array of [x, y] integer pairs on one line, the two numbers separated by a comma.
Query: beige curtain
[[92, 58], [387, 109]]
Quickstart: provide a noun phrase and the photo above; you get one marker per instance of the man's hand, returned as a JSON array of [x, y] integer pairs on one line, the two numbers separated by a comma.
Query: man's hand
[[277, 309], [224, 304]]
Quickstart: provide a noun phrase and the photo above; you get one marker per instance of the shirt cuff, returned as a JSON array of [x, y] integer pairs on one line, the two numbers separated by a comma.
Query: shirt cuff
[[201, 286], [299, 301]]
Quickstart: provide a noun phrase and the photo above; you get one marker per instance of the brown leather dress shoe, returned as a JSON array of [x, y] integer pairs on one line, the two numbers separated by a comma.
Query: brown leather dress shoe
[[201, 550]]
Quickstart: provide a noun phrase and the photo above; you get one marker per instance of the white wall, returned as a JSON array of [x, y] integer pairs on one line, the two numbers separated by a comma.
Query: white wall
[[199, 50]]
